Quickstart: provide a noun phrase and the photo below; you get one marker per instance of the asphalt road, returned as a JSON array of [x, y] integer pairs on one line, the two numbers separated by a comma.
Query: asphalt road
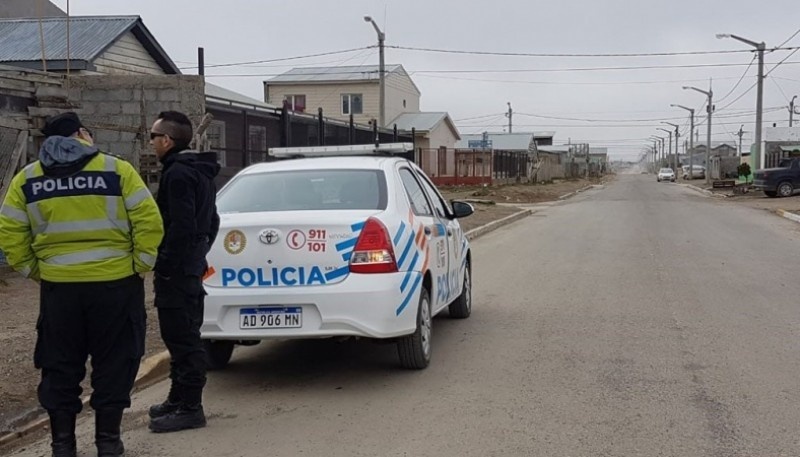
[[642, 319]]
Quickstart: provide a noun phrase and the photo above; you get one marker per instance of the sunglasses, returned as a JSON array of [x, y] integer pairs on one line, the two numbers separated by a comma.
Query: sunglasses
[[154, 135]]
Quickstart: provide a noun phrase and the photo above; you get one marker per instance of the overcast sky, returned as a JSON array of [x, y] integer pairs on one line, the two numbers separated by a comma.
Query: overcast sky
[[250, 30]]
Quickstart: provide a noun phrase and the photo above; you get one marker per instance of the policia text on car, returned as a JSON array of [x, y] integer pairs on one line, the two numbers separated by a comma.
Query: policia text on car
[[85, 226]]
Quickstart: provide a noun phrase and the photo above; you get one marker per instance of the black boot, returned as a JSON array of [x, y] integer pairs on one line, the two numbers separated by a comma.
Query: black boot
[[107, 432], [183, 418], [62, 430], [169, 405]]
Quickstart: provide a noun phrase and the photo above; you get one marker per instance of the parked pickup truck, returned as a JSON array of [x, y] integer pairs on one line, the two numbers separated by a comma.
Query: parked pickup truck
[[781, 181]]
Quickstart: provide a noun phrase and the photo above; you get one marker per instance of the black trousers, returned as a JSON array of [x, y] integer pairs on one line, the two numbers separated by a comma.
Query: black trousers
[[180, 313], [105, 320]]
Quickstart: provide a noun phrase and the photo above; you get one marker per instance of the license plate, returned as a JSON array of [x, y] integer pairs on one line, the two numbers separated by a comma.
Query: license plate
[[271, 317]]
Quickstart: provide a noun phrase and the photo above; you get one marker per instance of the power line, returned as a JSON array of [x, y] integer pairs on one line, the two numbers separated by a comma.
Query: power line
[[282, 59], [529, 70], [780, 89], [478, 117], [533, 54], [790, 38], [784, 61], [738, 82], [571, 83]]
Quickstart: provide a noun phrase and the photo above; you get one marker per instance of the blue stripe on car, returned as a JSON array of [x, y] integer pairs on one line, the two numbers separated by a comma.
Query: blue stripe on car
[[410, 294]]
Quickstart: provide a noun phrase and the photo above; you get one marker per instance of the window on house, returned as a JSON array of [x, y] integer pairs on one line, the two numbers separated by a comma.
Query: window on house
[[215, 134], [352, 104], [296, 102]]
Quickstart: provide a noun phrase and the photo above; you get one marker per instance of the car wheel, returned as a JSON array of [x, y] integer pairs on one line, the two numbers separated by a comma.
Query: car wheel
[[770, 193], [658, 179], [415, 349], [218, 353], [785, 189], [461, 307]]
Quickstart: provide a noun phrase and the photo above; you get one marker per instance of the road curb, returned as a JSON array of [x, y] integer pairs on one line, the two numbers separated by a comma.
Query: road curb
[[151, 370], [494, 225], [565, 196], [788, 215], [701, 190]]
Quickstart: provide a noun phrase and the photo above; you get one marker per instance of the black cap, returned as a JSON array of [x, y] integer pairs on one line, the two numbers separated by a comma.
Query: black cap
[[64, 124]]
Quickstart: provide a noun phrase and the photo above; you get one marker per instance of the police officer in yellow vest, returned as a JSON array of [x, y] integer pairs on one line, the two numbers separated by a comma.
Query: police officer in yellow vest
[[84, 225]]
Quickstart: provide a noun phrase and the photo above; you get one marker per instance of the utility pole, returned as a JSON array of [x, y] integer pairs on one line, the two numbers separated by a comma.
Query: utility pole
[[381, 71], [760, 47], [709, 110], [677, 136], [509, 114], [740, 133], [691, 137], [669, 143]]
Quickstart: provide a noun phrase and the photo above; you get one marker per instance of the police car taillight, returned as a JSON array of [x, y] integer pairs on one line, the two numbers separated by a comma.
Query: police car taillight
[[373, 252]]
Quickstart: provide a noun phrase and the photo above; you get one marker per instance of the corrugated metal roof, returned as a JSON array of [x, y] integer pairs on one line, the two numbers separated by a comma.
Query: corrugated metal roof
[[423, 122], [420, 121], [326, 74], [501, 141], [89, 36], [221, 93]]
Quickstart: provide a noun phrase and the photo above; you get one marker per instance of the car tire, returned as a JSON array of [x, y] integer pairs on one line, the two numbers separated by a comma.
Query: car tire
[[770, 193], [415, 349], [218, 353], [785, 189], [461, 307]]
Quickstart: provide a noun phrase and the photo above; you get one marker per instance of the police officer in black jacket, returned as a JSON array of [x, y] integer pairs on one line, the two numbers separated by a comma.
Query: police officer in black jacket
[[186, 199]]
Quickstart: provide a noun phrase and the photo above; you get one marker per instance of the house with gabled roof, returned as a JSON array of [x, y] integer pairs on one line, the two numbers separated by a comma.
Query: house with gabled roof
[[97, 45], [345, 90]]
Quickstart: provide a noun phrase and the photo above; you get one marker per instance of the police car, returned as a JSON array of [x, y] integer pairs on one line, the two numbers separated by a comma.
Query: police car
[[345, 241]]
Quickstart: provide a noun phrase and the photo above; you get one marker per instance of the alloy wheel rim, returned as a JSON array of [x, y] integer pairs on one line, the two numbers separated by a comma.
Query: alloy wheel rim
[[425, 327]]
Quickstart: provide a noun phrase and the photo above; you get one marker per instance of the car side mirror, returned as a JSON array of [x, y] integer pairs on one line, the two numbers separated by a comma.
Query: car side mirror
[[461, 209]]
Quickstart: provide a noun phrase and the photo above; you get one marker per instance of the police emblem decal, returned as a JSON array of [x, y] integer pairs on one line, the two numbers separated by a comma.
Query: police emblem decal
[[234, 242], [269, 236]]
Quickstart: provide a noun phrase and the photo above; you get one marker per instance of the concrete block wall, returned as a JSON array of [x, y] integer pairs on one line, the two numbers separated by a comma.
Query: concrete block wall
[[119, 109]]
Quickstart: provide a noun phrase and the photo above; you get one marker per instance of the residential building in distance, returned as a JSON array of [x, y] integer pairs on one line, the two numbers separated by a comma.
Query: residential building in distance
[[342, 91]]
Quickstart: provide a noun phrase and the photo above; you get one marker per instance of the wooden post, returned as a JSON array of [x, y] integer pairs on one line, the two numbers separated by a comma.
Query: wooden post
[[17, 154]]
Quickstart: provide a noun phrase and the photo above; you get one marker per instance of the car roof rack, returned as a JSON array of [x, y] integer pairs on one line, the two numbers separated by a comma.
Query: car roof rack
[[386, 149]]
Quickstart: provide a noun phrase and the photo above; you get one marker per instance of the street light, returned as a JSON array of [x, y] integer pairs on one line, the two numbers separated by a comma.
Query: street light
[[666, 156], [677, 135], [381, 71], [792, 111], [760, 94], [656, 141], [691, 134], [709, 110]]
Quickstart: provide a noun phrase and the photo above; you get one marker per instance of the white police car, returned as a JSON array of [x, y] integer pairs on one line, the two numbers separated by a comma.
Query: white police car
[[348, 241]]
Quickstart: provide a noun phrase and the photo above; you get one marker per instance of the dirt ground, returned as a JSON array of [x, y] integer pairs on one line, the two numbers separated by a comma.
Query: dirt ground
[[19, 297], [19, 306], [755, 199]]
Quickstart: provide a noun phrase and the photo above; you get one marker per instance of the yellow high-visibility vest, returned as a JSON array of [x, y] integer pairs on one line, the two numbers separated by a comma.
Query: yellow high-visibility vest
[[99, 224]]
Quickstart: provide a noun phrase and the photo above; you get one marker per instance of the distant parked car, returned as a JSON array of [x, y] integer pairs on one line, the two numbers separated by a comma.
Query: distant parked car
[[780, 181], [666, 174], [697, 171]]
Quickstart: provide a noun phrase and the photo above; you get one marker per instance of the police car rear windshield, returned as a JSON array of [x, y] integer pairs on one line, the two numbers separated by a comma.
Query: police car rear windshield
[[305, 190]]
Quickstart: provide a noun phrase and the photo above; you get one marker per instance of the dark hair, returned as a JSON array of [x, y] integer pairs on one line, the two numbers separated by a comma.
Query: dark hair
[[178, 126]]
